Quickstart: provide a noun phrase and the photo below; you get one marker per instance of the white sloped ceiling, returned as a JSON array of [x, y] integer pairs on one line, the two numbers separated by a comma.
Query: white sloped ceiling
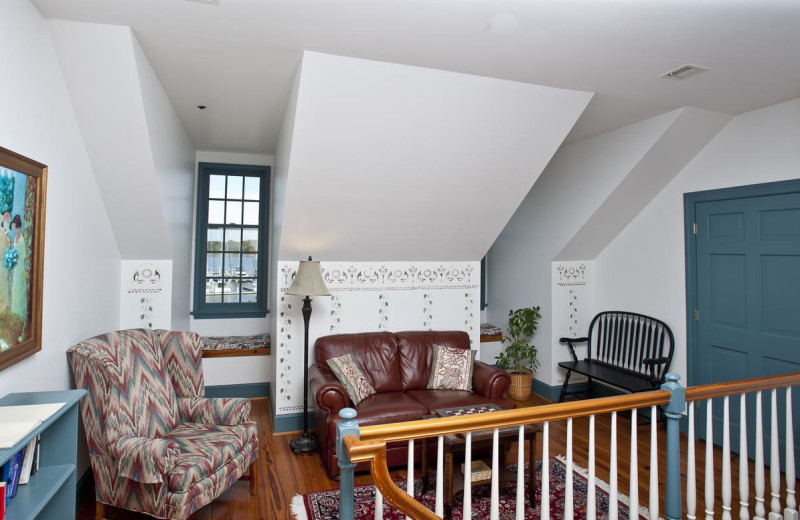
[[393, 162]]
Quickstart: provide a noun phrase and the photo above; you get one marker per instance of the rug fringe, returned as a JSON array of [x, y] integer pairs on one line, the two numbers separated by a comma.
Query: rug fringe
[[602, 484], [298, 508]]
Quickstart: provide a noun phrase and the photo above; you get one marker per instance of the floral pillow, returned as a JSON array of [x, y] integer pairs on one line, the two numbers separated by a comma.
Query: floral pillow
[[348, 373], [451, 368]]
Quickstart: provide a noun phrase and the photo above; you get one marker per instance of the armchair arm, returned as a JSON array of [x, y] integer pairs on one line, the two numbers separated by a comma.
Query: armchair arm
[[222, 410], [651, 363], [571, 344], [329, 393], [489, 381], [144, 459]]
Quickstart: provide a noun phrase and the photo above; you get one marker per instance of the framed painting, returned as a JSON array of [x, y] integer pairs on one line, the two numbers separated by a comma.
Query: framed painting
[[23, 186]]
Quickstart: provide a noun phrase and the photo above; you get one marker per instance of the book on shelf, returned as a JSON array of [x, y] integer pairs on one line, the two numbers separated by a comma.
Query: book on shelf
[[2, 500], [35, 467], [15, 464], [27, 461]]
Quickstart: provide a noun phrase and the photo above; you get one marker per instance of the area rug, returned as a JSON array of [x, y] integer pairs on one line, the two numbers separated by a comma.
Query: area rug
[[324, 505]]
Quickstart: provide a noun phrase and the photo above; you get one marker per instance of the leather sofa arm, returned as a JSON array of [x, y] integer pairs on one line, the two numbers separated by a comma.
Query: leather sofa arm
[[329, 393], [489, 381]]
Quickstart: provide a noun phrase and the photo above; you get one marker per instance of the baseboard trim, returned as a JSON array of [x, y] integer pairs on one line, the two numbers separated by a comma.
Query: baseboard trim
[[551, 393], [292, 422], [246, 390]]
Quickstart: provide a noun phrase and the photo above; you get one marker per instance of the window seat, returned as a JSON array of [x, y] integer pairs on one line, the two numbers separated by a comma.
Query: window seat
[[225, 346]]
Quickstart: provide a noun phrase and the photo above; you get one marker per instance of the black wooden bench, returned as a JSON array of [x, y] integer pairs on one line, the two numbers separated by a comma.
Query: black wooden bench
[[626, 350]]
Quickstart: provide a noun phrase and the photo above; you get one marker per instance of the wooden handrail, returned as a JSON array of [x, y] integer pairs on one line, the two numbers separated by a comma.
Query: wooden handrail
[[503, 418], [375, 453], [696, 393]]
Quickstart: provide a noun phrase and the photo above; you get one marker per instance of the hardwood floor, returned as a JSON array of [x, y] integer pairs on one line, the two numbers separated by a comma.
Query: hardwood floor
[[283, 474]]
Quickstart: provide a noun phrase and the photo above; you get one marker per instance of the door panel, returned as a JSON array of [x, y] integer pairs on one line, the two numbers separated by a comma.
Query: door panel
[[748, 297]]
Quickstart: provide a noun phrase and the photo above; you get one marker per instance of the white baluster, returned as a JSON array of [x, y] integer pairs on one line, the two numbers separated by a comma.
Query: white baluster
[[744, 473], [613, 498], [726, 459], [633, 490], [709, 460], [569, 513], [545, 494], [439, 506], [691, 475], [653, 463], [790, 513], [521, 474], [775, 460], [761, 510], [494, 510], [379, 505], [410, 480], [468, 478], [591, 500]]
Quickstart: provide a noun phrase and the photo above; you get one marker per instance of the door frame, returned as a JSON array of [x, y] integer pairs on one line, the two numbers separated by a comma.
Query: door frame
[[690, 201]]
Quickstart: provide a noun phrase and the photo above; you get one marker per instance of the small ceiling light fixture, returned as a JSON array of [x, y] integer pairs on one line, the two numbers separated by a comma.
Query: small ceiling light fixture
[[201, 107], [684, 71]]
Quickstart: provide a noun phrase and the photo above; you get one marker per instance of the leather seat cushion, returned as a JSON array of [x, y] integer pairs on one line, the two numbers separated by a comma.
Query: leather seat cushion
[[434, 400], [204, 449]]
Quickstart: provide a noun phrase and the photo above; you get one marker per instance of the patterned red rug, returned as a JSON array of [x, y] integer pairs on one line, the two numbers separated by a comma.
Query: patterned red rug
[[324, 505]]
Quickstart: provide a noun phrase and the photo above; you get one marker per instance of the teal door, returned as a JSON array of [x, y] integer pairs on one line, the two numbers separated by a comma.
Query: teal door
[[747, 296]]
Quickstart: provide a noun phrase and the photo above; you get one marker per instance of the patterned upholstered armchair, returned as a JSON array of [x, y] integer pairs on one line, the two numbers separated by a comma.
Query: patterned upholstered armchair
[[156, 444]]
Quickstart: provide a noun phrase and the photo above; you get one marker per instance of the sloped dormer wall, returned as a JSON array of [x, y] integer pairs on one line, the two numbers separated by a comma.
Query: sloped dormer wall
[[398, 179]]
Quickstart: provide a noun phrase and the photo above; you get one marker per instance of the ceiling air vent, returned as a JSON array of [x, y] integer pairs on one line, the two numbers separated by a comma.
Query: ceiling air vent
[[684, 71]]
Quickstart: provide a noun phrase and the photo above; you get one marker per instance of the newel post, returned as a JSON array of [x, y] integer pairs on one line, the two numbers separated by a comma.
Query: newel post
[[673, 412], [347, 426]]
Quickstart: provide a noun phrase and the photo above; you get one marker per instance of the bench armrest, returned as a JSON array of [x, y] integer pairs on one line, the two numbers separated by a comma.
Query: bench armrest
[[329, 393], [652, 362], [488, 381], [571, 344]]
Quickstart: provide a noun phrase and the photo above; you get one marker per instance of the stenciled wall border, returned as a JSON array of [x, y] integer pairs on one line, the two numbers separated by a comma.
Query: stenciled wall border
[[372, 296]]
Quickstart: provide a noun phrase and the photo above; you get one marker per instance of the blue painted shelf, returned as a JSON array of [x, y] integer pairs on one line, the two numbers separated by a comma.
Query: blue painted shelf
[[50, 493]]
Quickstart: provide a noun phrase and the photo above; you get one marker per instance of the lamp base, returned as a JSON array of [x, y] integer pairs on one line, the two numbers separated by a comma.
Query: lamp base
[[304, 444]]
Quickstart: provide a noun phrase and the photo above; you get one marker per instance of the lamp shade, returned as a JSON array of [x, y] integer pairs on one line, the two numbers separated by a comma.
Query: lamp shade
[[308, 281]]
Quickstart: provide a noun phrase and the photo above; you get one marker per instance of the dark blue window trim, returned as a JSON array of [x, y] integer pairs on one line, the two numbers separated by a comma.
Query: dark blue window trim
[[257, 309]]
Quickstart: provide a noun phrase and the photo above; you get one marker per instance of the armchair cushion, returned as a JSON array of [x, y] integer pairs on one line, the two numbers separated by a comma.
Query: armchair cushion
[[144, 459], [226, 411], [204, 448]]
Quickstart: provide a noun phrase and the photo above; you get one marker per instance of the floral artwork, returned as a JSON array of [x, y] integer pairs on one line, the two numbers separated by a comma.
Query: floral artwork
[[21, 244]]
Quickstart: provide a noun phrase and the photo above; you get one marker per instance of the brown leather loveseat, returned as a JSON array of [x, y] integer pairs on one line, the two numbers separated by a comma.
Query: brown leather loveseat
[[398, 366]]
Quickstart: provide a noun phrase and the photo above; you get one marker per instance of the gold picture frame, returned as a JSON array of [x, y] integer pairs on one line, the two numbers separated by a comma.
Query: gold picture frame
[[23, 189]]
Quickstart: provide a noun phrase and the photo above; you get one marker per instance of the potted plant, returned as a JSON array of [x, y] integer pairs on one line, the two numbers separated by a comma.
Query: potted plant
[[520, 356]]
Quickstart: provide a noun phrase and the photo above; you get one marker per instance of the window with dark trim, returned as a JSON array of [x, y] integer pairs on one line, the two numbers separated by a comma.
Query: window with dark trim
[[230, 271]]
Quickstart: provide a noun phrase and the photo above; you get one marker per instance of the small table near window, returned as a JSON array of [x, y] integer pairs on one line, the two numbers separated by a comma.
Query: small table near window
[[454, 448]]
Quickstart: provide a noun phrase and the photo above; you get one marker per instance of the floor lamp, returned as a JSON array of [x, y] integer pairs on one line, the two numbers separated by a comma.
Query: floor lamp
[[308, 282]]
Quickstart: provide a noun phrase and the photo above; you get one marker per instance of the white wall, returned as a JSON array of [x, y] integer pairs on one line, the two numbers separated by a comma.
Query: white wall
[[371, 296], [174, 160], [81, 261], [575, 183], [643, 269], [237, 370], [408, 156], [280, 175], [583, 200]]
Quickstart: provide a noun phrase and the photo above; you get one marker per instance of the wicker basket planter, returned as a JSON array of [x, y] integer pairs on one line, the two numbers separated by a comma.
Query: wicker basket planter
[[520, 389]]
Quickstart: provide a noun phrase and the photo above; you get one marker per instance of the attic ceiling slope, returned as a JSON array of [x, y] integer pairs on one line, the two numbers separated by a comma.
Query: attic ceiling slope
[[100, 70], [398, 163], [689, 132]]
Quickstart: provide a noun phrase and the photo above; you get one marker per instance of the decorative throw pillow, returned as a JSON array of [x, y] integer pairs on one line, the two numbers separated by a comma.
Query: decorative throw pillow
[[451, 368], [348, 373]]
